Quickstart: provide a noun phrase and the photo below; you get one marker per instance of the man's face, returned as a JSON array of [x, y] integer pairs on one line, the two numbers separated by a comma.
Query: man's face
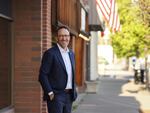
[[63, 37]]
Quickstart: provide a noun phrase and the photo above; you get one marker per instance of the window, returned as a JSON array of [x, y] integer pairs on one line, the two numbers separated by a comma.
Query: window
[[5, 8], [5, 63]]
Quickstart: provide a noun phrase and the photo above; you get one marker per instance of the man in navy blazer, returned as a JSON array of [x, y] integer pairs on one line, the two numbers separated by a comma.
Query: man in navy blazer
[[57, 74]]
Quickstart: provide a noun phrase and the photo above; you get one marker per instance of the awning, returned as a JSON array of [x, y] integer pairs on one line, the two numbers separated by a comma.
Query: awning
[[94, 23]]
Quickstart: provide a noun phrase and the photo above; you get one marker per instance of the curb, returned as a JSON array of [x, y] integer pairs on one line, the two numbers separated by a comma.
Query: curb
[[78, 101]]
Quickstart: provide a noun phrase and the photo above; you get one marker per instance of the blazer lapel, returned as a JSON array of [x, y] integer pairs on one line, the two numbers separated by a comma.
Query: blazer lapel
[[71, 55], [60, 58]]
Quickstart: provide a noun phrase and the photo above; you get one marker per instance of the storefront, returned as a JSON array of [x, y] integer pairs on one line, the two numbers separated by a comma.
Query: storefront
[[27, 29]]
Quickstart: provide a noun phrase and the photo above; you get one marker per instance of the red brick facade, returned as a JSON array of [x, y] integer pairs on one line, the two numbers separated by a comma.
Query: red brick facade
[[27, 34], [46, 34], [46, 12]]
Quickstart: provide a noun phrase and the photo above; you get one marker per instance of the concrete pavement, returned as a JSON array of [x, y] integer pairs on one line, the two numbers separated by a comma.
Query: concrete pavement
[[139, 92], [107, 99], [115, 95]]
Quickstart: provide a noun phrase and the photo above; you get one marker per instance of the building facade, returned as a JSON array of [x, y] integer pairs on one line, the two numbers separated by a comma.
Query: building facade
[[27, 29]]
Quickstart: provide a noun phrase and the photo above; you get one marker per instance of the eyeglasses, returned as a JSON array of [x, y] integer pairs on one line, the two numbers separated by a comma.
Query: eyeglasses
[[63, 35]]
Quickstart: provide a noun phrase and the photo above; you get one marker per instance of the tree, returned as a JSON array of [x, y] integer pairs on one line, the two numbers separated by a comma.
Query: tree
[[144, 6], [131, 40]]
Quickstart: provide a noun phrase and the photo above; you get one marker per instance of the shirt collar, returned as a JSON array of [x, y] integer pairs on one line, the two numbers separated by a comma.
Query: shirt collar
[[61, 49]]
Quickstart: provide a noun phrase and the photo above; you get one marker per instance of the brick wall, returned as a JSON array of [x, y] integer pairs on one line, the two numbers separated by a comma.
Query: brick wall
[[46, 41], [46, 24], [27, 36]]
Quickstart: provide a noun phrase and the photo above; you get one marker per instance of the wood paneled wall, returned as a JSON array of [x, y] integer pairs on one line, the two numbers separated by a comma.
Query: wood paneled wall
[[67, 13], [79, 53]]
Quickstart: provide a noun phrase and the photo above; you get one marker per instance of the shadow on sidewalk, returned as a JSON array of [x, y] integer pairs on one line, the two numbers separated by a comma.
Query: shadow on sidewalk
[[140, 93], [107, 99]]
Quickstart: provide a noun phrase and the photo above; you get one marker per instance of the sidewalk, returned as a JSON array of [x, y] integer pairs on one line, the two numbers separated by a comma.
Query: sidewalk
[[115, 96], [139, 92]]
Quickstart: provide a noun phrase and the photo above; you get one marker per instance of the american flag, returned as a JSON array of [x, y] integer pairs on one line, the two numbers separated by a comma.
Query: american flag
[[107, 9]]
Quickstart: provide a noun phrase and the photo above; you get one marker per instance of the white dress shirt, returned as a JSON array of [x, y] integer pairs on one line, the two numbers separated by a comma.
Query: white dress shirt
[[66, 59]]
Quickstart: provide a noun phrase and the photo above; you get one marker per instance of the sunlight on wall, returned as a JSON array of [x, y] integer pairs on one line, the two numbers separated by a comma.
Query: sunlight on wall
[[105, 52]]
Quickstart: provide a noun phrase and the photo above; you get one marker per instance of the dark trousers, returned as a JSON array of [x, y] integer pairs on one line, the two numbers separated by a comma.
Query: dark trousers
[[142, 75], [136, 76], [62, 103]]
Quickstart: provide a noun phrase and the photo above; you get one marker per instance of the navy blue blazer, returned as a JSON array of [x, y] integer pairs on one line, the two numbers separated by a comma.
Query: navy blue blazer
[[53, 74]]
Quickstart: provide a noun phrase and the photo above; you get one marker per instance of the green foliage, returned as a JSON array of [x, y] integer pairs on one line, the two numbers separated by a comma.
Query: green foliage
[[133, 38], [145, 11]]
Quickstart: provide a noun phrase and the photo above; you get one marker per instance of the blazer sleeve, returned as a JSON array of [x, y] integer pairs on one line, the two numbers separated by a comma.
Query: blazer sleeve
[[45, 68]]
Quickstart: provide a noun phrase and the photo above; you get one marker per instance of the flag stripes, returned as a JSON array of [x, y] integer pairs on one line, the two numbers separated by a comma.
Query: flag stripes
[[108, 10]]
